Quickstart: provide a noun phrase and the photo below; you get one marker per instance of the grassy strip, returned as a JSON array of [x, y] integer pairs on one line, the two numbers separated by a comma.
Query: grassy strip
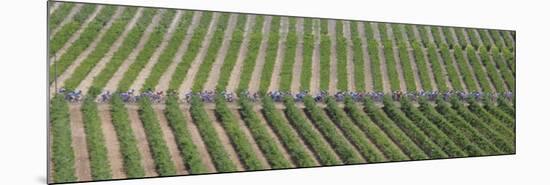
[[324, 62], [86, 38], [452, 72], [491, 121], [466, 128], [499, 41], [411, 113], [424, 37], [271, 54], [372, 47], [251, 55], [500, 114], [130, 42], [101, 49], [390, 66], [467, 75], [456, 133], [375, 134], [155, 138], [62, 154], [219, 156], [242, 146], [422, 67], [353, 133], [192, 51], [358, 59], [438, 37], [289, 57], [232, 53], [188, 150], [492, 70], [128, 143], [474, 39], [437, 70], [490, 130], [167, 55], [211, 53], [480, 74], [507, 74], [156, 38], [341, 58], [485, 38], [307, 55], [412, 130], [60, 14], [393, 131], [306, 130], [259, 132], [459, 32], [99, 163], [407, 67], [64, 34], [329, 130]]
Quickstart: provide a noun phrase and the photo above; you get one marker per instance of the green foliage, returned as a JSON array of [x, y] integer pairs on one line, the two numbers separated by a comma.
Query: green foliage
[[382, 30], [62, 155], [474, 39], [307, 54], [508, 39], [480, 74], [188, 150], [289, 57], [353, 133], [280, 126], [215, 148], [440, 79], [163, 161], [390, 66], [397, 33], [485, 38], [460, 35], [422, 67], [492, 71], [232, 53], [146, 53], [99, 163], [324, 62], [495, 124], [438, 37], [238, 139], [369, 32], [499, 41], [406, 66], [251, 55], [310, 137], [503, 68], [500, 114], [61, 13], [372, 47], [393, 131], [358, 60], [507, 107], [341, 58], [452, 72], [510, 59], [259, 132], [424, 37], [467, 75], [66, 32], [449, 37], [271, 54]]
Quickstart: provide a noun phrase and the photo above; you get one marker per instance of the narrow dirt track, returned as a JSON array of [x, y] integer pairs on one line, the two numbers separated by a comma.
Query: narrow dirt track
[[383, 68], [70, 70], [250, 139], [113, 82], [398, 66], [214, 74], [315, 76], [333, 60], [80, 147], [226, 142], [187, 83], [349, 53], [260, 60], [367, 69], [197, 140], [170, 140], [164, 81], [298, 60], [67, 19], [279, 59], [274, 137], [76, 34], [236, 72], [111, 142], [144, 73], [146, 158], [87, 82]]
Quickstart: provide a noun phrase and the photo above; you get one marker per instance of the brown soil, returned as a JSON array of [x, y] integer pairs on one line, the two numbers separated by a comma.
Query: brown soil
[[315, 76], [257, 73], [80, 147], [236, 72], [333, 60], [383, 68], [471, 69], [214, 74], [273, 136], [146, 157], [350, 59], [367, 69], [440, 60], [297, 68], [226, 142], [111, 142], [400, 76], [171, 142], [254, 145], [281, 49], [197, 140]]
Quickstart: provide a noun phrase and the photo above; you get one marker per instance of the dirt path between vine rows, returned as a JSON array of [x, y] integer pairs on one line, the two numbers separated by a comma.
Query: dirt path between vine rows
[[453, 35], [197, 140], [397, 60], [111, 142], [234, 78], [315, 68], [485, 73], [322, 136], [491, 41], [80, 147], [383, 69], [280, 57], [87, 82], [249, 137], [349, 54], [82, 56], [74, 37], [430, 34], [226, 142], [67, 19], [471, 69], [146, 157], [254, 84], [273, 136], [146, 70], [366, 57], [333, 82], [170, 139], [214, 74], [429, 63], [115, 79], [499, 74], [54, 6], [187, 83], [413, 59], [298, 60], [164, 80]]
